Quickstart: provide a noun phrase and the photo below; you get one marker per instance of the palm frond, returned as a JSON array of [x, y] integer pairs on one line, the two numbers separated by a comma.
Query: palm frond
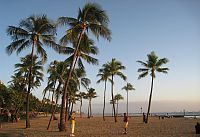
[[143, 63], [100, 30], [41, 52], [161, 62], [142, 75], [62, 21], [120, 74], [89, 59], [23, 46], [143, 69], [163, 70], [14, 46]]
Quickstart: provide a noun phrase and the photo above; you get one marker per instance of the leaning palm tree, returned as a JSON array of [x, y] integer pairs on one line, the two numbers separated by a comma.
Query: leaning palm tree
[[114, 67], [117, 98], [86, 49], [104, 77], [57, 71], [151, 66], [128, 88], [34, 32], [92, 18]]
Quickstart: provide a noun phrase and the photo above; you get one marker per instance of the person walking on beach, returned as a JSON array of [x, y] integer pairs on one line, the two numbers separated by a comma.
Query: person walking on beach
[[144, 117], [72, 122], [125, 123]]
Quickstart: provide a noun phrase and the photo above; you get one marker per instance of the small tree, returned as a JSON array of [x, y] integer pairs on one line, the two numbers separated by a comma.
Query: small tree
[[128, 88], [90, 95], [104, 77], [117, 98]]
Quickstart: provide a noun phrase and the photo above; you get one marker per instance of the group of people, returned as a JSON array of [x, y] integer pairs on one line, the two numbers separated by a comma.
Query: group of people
[[9, 116], [72, 119]]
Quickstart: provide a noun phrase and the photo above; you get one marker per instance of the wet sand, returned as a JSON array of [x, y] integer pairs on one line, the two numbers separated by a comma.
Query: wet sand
[[96, 127]]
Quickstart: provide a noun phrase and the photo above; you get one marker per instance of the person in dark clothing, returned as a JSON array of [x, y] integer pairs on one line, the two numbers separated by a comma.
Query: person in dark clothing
[[144, 117], [125, 123]]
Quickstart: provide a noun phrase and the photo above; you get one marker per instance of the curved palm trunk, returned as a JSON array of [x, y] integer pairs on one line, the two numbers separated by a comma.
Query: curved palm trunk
[[127, 104], [54, 109], [52, 114], [104, 102], [28, 125], [112, 88], [62, 126], [149, 106], [76, 59]]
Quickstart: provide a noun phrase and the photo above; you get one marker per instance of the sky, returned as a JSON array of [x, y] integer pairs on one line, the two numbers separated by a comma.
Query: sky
[[171, 28]]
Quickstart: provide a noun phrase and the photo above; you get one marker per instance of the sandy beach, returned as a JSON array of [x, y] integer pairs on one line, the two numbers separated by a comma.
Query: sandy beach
[[95, 127]]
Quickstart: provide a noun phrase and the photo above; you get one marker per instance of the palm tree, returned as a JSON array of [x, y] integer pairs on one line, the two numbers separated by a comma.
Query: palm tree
[[34, 32], [92, 18], [22, 70], [152, 65], [57, 71], [90, 95], [112, 102], [104, 76], [85, 49], [128, 88], [114, 67], [37, 75], [117, 98], [81, 95]]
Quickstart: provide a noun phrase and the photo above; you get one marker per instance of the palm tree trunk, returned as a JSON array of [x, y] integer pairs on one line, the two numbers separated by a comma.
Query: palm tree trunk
[[72, 108], [54, 109], [28, 125], [112, 88], [112, 111], [104, 102], [52, 114], [76, 59], [117, 108], [68, 110], [90, 108], [81, 108], [53, 95], [52, 100], [47, 104], [62, 126], [127, 103], [149, 106], [43, 99]]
